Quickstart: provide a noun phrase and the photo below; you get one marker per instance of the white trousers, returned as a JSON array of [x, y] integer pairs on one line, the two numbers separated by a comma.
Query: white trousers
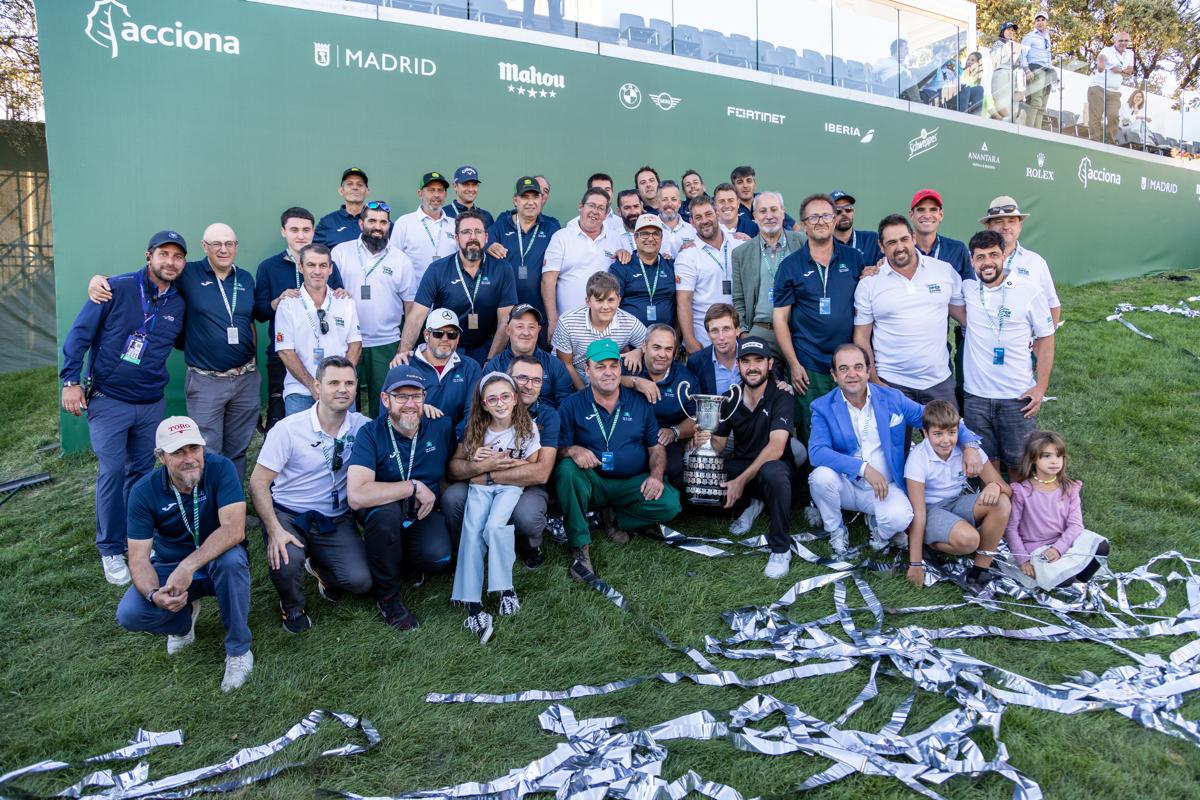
[[832, 492]]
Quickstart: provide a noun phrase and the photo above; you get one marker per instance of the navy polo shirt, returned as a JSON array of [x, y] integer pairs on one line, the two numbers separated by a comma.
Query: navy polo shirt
[[493, 287], [667, 410], [276, 274], [504, 231], [867, 244], [337, 227], [455, 208], [434, 442], [155, 514], [636, 284], [556, 381], [954, 253], [452, 394], [748, 226], [635, 431], [205, 342], [105, 328], [798, 284]]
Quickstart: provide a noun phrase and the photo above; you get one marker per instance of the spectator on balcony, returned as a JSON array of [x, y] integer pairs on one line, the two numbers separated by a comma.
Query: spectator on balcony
[[893, 72], [1039, 70], [969, 99], [1008, 81], [693, 187], [1104, 94], [1133, 114]]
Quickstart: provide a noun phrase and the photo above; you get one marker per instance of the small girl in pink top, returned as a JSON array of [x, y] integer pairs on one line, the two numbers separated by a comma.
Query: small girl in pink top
[[1045, 530]]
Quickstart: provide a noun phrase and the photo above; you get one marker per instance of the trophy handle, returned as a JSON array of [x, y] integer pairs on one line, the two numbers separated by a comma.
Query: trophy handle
[[684, 386], [737, 403]]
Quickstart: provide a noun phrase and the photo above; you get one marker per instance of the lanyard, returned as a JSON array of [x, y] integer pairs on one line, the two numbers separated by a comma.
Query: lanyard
[[148, 318], [478, 280], [521, 248], [432, 240], [646, 278], [724, 255], [1008, 263], [230, 306], [774, 256], [378, 261], [312, 318], [412, 453], [996, 322], [854, 239], [937, 249], [611, 428], [194, 528], [287, 256], [823, 272]]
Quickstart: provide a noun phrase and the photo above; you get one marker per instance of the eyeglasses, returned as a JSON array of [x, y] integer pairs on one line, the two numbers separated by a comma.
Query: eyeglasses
[[597, 208], [813, 219], [498, 399], [407, 399], [994, 210], [473, 232], [527, 380], [379, 205], [220, 245], [451, 335], [339, 446], [843, 210], [321, 319]]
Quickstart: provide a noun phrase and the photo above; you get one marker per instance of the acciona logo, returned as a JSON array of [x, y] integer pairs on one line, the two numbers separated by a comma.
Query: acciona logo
[[1089, 174], [1040, 172], [530, 81], [109, 23], [923, 143], [983, 158]]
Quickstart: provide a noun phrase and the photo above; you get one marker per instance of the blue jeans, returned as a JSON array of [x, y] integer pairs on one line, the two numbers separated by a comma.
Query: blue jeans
[[226, 577], [295, 403], [122, 436], [485, 528]]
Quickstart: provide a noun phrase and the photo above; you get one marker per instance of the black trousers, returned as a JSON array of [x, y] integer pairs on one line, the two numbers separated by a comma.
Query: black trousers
[[391, 548], [276, 372], [338, 556], [675, 465], [772, 485]]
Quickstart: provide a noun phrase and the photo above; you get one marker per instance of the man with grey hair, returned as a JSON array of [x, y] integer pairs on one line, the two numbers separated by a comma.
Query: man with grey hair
[[755, 265], [1114, 64]]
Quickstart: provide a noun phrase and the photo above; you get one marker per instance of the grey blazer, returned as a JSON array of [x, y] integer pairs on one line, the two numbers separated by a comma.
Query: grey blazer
[[747, 259]]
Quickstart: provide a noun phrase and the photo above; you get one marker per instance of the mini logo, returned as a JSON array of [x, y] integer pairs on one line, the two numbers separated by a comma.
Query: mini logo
[[926, 141], [321, 53], [665, 101], [755, 115], [530, 81], [630, 95], [982, 158], [1088, 174], [1039, 172], [103, 30]]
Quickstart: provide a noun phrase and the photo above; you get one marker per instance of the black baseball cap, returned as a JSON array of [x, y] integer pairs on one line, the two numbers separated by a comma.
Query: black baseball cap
[[838, 194], [525, 184], [753, 346], [524, 308], [355, 171], [434, 177]]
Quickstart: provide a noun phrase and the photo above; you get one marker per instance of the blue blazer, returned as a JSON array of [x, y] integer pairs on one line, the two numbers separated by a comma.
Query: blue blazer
[[701, 365], [833, 440]]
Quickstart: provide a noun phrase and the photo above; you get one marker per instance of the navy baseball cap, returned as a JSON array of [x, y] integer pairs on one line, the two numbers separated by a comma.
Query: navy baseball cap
[[525, 184], [753, 346], [838, 194], [167, 237], [402, 375], [355, 171], [466, 173]]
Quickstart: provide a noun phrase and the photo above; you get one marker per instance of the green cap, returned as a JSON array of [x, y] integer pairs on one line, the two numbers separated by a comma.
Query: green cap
[[602, 350]]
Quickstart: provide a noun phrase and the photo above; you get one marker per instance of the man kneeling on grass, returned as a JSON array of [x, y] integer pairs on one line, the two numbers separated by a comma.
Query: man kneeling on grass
[[946, 514], [187, 520]]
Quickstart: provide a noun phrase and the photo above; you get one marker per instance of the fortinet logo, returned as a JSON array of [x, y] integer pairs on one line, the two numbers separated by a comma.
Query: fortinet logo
[[755, 115], [1088, 173], [109, 29]]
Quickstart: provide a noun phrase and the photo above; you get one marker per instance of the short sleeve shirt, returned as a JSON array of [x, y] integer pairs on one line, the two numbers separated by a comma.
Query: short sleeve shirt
[[446, 284], [631, 429], [155, 513], [668, 410], [575, 256], [707, 272], [506, 440], [802, 283], [1025, 266], [302, 454], [379, 284], [575, 332], [429, 451], [548, 422], [1006, 317], [298, 328], [752, 428], [423, 239], [675, 238], [214, 306], [943, 479], [644, 285]]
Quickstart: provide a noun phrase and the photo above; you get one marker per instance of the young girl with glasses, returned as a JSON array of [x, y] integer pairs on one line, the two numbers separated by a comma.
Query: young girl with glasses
[[501, 433]]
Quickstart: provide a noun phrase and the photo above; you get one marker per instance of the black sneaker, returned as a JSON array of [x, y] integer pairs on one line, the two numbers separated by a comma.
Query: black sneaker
[[532, 559], [977, 584], [331, 593], [396, 614], [295, 620]]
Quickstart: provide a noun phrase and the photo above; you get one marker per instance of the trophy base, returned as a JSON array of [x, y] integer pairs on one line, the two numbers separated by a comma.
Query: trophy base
[[703, 478]]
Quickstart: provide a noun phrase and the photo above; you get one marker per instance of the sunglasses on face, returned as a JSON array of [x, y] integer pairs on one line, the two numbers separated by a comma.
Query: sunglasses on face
[[843, 210], [451, 335], [994, 210]]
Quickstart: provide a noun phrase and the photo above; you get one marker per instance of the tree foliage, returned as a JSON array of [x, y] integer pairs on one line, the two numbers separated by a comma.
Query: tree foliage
[[20, 70], [1166, 33]]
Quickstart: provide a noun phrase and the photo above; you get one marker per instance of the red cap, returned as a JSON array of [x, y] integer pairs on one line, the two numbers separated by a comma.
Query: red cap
[[925, 194]]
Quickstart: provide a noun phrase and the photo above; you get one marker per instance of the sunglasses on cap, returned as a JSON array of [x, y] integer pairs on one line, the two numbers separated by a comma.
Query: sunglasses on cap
[[1009, 209], [379, 205], [451, 335]]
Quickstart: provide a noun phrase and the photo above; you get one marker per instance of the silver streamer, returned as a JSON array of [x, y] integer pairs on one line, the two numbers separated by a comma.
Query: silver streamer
[[1182, 309], [136, 783]]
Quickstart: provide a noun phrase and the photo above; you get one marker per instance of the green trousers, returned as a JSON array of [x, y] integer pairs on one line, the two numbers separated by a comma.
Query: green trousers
[[579, 489], [372, 369], [819, 385]]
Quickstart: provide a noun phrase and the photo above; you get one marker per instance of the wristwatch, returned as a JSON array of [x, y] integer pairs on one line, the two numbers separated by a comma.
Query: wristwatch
[[675, 430], [65, 384]]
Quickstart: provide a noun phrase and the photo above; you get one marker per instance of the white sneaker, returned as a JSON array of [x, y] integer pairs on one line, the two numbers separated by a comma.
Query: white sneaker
[[777, 565], [116, 571], [509, 605], [900, 539], [237, 669], [177, 643], [481, 625], [741, 525], [840, 541]]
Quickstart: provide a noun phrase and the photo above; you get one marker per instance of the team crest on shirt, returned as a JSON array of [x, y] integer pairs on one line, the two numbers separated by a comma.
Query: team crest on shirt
[[338, 321], [430, 447], [934, 288], [1023, 271], [1004, 313], [387, 270], [843, 268]]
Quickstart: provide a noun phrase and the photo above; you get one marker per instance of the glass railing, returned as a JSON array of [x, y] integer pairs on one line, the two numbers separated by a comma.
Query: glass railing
[[871, 47]]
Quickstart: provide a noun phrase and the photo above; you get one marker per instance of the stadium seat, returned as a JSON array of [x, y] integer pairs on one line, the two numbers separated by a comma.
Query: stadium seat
[[1052, 121], [495, 12], [856, 76], [743, 47], [451, 8], [598, 33], [1072, 126], [766, 57], [1131, 138], [835, 68], [425, 6], [663, 29], [633, 29], [810, 66], [688, 41]]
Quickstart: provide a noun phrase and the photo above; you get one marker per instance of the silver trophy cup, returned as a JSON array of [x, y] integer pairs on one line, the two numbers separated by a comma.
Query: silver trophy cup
[[704, 469]]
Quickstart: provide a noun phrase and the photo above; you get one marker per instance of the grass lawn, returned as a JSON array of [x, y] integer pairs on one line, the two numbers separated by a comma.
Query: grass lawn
[[75, 685]]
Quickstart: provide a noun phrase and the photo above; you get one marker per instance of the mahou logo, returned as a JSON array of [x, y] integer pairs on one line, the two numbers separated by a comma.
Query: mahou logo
[[109, 23]]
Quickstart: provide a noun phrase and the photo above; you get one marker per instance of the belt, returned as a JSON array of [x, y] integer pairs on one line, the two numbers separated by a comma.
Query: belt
[[244, 369], [768, 325]]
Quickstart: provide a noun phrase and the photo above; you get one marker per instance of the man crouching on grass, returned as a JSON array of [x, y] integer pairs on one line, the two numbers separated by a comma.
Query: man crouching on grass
[[946, 514], [187, 520]]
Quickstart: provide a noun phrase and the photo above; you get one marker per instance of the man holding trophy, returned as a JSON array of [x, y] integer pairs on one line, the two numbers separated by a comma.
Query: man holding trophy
[[761, 466]]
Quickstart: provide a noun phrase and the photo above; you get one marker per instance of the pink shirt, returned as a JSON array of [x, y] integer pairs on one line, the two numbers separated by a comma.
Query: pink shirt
[[1042, 519]]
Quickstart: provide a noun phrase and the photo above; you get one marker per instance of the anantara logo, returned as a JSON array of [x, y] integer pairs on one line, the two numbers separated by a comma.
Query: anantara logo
[[1040, 172], [1090, 174], [919, 145], [109, 23], [983, 158], [530, 81]]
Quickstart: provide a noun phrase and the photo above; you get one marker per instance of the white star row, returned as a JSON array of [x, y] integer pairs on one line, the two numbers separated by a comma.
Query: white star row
[[532, 93]]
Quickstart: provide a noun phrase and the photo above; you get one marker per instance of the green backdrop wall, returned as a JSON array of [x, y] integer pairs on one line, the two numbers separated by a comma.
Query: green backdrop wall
[[165, 113]]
